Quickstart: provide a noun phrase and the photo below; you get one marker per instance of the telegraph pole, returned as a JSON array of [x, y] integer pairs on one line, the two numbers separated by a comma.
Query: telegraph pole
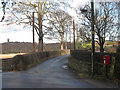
[[93, 36], [33, 34], [74, 34]]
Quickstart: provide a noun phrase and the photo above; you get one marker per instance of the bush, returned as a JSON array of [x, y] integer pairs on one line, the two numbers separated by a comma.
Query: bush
[[87, 46]]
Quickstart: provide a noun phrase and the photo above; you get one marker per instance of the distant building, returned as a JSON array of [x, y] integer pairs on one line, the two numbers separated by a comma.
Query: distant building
[[8, 40]]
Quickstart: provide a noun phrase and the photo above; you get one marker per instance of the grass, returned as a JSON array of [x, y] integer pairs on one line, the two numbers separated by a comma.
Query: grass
[[6, 56]]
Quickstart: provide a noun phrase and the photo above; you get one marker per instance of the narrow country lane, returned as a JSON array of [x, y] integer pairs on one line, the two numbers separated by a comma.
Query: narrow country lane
[[49, 74]]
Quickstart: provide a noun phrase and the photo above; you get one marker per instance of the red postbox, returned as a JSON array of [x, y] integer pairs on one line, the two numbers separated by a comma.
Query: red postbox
[[106, 59]]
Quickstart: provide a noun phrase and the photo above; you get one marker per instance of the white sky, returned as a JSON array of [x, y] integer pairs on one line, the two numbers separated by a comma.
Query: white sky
[[17, 33], [21, 35]]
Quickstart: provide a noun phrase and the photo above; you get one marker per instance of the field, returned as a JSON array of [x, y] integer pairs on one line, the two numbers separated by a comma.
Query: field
[[5, 56]]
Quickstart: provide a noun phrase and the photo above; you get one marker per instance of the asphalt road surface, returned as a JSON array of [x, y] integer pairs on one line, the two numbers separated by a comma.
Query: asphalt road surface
[[52, 73]]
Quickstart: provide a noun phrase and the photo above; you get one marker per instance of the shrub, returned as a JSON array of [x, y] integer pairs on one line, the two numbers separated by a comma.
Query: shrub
[[87, 46]]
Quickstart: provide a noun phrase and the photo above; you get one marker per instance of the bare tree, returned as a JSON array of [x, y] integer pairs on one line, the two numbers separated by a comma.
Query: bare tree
[[84, 34], [105, 21], [23, 15], [60, 21], [4, 5]]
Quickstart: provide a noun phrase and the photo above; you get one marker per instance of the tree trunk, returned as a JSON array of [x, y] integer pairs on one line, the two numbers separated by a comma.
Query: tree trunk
[[66, 46], [62, 42], [101, 44], [101, 47], [40, 48]]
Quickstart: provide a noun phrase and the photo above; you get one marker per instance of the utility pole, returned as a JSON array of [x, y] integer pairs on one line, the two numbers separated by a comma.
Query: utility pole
[[33, 35], [74, 34], [93, 36], [70, 37], [66, 42]]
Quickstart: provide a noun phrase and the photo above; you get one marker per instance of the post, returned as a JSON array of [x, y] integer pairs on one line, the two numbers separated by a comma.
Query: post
[[70, 37], [118, 49], [66, 42], [92, 29], [106, 71], [33, 35], [74, 34]]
